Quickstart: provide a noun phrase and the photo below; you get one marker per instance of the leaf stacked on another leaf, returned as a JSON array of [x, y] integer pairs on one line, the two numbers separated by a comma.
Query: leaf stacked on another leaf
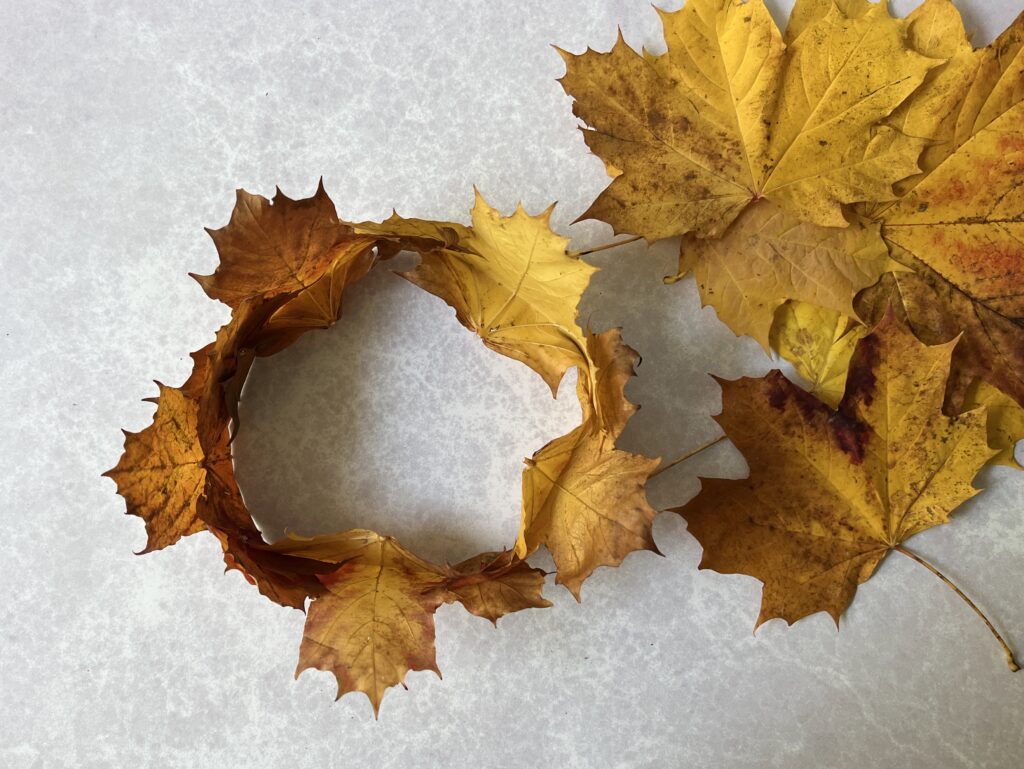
[[511, 281], [753, 149], [831, 492], [959, 227]]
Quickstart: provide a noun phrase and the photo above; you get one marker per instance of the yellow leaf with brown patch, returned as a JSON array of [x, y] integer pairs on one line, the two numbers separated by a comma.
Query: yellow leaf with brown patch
[[831, 492], [730, 115], [819, 343]]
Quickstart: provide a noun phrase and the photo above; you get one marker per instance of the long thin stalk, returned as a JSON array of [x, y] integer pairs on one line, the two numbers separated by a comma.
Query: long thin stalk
[[686, 456], [1010, 660], [606, 246]]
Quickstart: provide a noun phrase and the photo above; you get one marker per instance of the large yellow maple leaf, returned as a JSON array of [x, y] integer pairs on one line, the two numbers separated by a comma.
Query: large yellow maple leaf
[[753, 147], [730, 114], [831, 492]]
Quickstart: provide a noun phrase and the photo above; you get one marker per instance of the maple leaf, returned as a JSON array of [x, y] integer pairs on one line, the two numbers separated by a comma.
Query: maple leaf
[[491, 585], [959, 227], [730, 115], [782, 258], [831, 492], [752, 148], [1005, 420], [279, 247], [511, 281], [374, 620], [583, 498], [162, 472], [819, 343]]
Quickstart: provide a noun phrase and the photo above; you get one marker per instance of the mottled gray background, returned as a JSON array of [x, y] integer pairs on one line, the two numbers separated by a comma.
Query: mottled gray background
[[125, 128]]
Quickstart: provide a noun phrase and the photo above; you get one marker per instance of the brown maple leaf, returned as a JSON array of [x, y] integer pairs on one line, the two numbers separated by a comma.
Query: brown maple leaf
[[832, 492]]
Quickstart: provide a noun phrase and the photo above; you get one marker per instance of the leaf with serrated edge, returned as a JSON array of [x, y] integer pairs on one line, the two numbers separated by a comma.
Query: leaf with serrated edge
[[830, 493]]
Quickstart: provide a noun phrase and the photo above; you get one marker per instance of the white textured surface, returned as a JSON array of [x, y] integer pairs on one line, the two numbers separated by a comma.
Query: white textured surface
[[125, 127]]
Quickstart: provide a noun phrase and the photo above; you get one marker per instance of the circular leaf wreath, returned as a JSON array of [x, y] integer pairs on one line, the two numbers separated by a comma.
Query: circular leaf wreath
[[284, 267]]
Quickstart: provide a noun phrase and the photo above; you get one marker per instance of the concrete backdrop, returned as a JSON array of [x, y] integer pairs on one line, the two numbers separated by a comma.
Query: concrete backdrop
[[125, 128]]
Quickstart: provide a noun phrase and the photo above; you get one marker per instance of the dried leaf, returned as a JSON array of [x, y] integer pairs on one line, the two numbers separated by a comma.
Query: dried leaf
[[583, 498], [819, 343], [729, 115], [768, 257], [961, 228], [512, 283], [280, 247], [162, 472], [375, 620], [1005, 420], [830, 493], [491, 585]]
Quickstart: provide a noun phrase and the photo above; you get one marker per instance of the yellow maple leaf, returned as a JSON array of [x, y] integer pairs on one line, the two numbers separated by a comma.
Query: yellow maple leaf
[[819, 343], [1005, 420], [830, 493], [511, 281], [730, 115], [373, 621], [582, 497]]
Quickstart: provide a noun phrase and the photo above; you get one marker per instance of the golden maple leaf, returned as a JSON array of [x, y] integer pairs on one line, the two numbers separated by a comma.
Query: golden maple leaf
[[162, 472], [832, 492], [582, 497], [819, 343], [374, 620], [753, 148], [511, 281]]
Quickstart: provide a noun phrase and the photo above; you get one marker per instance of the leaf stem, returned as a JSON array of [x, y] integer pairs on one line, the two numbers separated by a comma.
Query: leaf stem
[[1010, 660], [686, 456], [606, 246]]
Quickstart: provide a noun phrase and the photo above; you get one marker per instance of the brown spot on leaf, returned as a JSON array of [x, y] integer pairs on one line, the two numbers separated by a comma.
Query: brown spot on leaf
[[861, 380]]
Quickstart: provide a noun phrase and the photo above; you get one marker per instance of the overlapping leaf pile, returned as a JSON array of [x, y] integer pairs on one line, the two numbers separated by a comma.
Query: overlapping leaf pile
[[856, 162], [284, 267]]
